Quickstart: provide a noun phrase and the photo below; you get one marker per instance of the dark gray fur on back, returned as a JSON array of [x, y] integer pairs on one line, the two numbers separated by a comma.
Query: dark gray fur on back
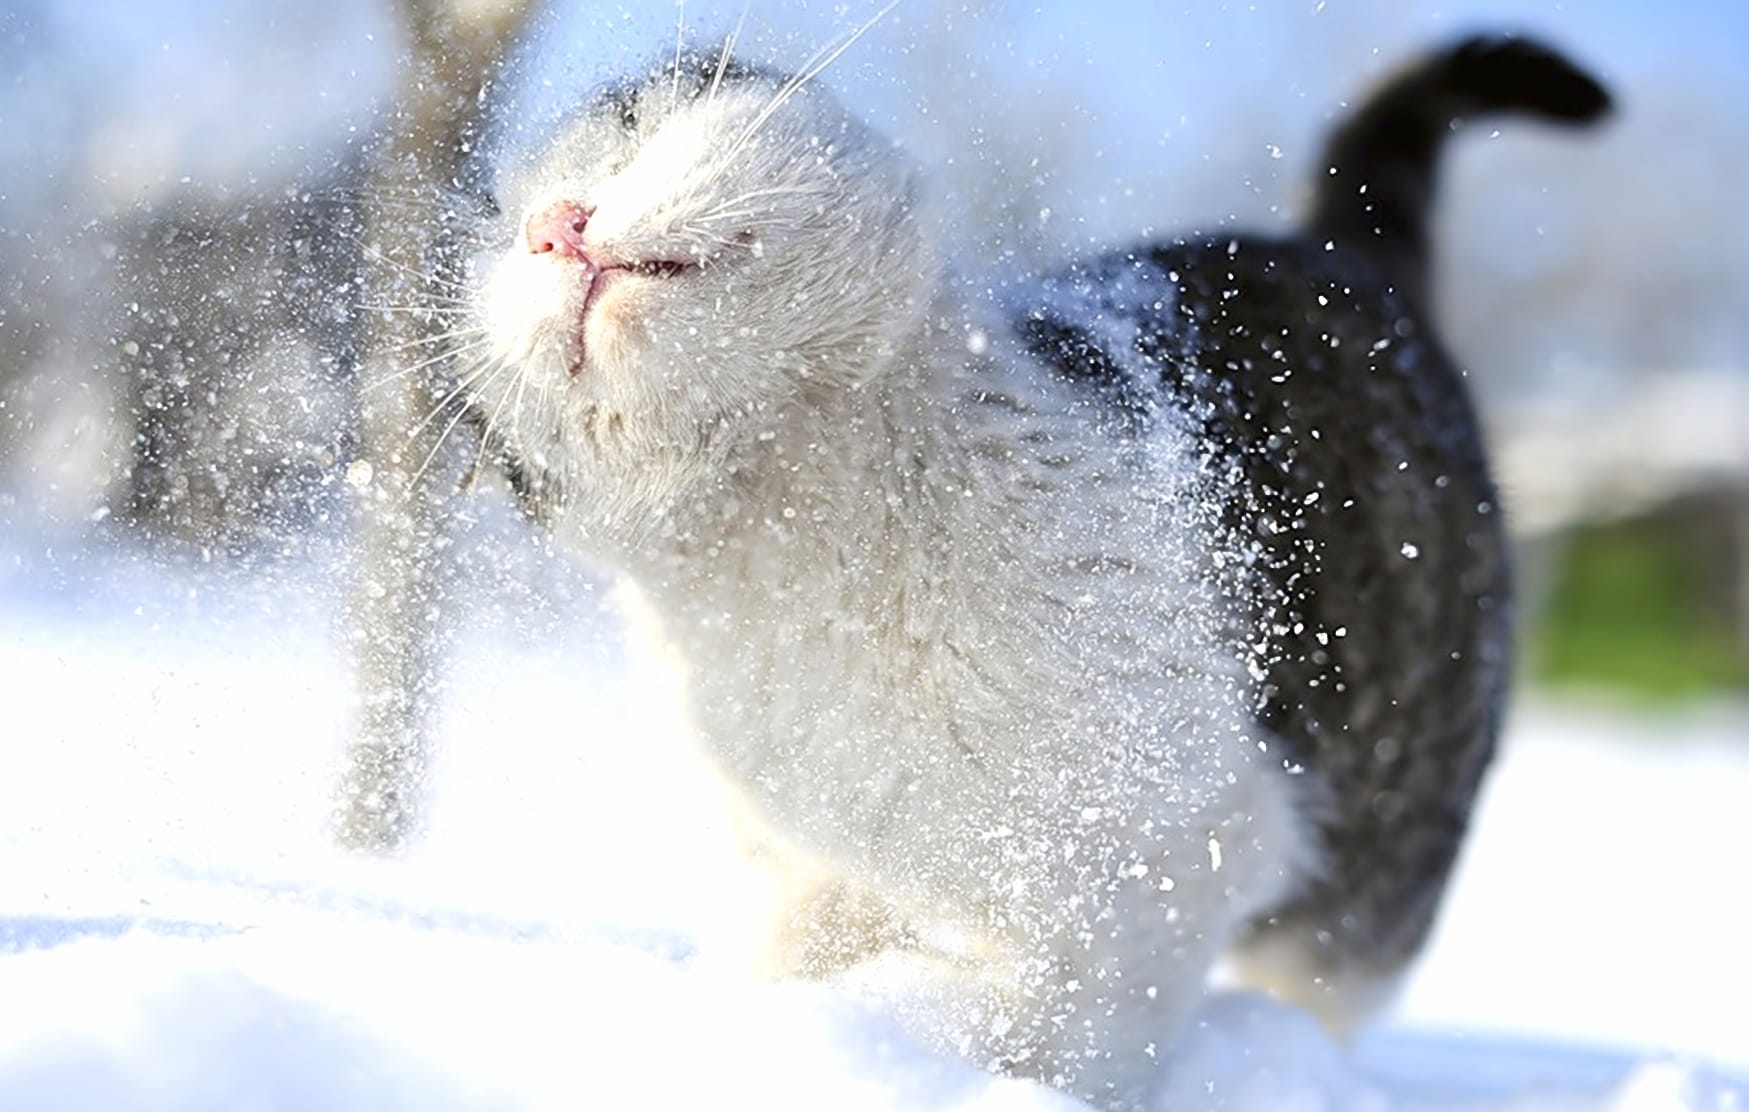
[[1381, 581]]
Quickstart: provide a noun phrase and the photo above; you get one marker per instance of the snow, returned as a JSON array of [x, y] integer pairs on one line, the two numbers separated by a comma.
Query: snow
[[177, 933]]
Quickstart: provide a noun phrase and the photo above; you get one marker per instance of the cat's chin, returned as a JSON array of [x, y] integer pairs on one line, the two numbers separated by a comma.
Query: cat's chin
[[609, 316], [582, 327], [611, 332]]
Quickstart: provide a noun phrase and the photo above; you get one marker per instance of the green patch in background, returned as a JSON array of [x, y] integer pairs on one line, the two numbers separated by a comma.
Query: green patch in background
[[1646, 607]]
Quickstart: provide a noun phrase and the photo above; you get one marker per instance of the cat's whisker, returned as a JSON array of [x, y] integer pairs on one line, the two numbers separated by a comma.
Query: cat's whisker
[[728, 49], [519, 408], [727, 160], [438, 304], [777, 99], [742, 215], [436, 338], [514, 386], [449, 353], [546, 385], [679, 39], [467, 382], [443, 437], [727, 207], [714, 237], [461, 288], [774, 191], [808, 73], [423, 307]]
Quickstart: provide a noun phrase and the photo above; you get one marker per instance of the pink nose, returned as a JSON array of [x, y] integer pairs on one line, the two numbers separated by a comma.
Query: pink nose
[[558, 229]]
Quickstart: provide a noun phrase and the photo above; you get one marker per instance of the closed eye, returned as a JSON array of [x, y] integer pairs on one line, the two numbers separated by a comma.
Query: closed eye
[[662, 268]]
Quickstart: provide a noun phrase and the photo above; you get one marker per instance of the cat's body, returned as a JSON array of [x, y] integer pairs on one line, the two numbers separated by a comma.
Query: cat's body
[[1017, 628]]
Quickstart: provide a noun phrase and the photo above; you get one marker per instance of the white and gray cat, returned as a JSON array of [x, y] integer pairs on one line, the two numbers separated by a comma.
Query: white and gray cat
[[1059, 648]]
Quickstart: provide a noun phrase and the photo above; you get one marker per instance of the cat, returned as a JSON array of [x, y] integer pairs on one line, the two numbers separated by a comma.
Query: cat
[[1063, 643]]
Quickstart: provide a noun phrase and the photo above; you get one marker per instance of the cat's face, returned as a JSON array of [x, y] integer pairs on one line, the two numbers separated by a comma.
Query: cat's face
[[680, 268]]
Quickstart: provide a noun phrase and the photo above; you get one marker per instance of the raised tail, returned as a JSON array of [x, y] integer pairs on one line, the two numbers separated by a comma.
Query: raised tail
[[1376, 184]]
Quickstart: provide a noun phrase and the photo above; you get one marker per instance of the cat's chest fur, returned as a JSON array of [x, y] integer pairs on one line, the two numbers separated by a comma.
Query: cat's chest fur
[[962, 605]]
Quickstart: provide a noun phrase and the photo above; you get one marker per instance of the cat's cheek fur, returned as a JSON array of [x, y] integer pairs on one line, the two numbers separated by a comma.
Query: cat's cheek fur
[[526, 310]]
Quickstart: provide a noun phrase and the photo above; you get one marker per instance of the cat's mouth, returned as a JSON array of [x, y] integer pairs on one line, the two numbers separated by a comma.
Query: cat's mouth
[[560, 232], [600, 277]]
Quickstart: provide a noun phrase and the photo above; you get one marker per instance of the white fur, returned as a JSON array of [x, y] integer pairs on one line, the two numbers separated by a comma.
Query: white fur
[[963, 650]]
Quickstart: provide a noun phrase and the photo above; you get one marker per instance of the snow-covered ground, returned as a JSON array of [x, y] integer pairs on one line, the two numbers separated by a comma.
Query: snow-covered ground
[[176, 932]]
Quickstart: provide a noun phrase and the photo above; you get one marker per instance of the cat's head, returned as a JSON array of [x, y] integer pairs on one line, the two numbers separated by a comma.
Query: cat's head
[[694, 256]]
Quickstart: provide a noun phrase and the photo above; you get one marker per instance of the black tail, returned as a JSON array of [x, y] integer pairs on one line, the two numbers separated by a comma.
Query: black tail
[[1377, 181]]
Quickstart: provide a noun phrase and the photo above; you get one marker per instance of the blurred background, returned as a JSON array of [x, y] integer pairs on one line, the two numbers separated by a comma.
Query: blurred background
[[182, 315], [168, 172]]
